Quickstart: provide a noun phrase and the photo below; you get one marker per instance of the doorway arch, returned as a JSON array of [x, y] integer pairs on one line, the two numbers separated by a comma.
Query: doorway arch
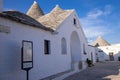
[[75, 48]]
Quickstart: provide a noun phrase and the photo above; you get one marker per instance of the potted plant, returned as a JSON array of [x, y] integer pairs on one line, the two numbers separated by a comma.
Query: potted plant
[[89, 62]]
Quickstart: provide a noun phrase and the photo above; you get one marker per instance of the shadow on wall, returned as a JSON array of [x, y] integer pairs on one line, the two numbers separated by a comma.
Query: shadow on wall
[[110, 56], [102, 56], [10, 59], [117, 56]]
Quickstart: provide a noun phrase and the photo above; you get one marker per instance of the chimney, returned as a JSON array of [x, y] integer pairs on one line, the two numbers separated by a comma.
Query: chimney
[[1, 3]]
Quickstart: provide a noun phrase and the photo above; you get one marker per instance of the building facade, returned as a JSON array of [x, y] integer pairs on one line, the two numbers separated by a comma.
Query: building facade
[[58, 41]]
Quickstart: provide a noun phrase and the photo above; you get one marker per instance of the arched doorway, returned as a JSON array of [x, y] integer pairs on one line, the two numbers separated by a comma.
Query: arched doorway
[[75, 49]]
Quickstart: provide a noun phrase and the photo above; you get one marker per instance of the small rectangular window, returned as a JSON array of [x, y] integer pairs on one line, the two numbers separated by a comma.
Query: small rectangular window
[[46, 47], [100, 51], [84, 50], [111, 53], [74, 21]]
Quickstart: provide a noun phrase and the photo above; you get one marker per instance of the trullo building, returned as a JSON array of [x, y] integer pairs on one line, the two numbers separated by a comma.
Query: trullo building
[[59, 44], [106, 51]]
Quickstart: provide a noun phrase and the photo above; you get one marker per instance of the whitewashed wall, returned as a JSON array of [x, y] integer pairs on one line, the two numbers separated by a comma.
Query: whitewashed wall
[[107, 49], [43, 66], [66, 29], [92, 53]]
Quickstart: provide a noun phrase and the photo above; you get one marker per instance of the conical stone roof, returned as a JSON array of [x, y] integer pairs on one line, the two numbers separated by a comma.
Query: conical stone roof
[[100, 42], [35, 11], [55, 17], [51, 20]]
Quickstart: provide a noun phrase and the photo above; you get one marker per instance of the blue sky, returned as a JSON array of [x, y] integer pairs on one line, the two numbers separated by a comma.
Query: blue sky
[[97, 17]]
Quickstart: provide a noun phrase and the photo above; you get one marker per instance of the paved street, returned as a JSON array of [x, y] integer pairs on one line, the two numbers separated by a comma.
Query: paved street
[[100, 71]]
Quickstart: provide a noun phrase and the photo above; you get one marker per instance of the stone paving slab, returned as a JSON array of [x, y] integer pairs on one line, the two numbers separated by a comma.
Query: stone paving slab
[[109, 70]]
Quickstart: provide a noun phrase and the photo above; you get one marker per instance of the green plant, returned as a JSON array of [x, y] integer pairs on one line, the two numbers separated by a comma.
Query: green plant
[[89, 62]]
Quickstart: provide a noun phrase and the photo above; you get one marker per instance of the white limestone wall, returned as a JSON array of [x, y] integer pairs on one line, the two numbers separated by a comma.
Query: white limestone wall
[[43, 65], [92, 53], [107, 49], [66, 29]]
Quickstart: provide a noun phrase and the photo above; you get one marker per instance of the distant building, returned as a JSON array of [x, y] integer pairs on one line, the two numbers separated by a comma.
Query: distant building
[[106, 51], [100, 42]]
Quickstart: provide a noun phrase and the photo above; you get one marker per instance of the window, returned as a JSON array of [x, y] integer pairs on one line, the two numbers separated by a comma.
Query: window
[[100, 50], [63, 46], [84, 52], [46, 47], [111, 53], [74, 20]]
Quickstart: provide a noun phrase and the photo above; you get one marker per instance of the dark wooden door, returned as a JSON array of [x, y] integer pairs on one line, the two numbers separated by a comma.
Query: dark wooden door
[[111, 56]]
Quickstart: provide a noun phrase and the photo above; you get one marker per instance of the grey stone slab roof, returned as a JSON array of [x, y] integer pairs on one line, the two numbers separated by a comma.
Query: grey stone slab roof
[[51, 20], [36, 18], [24, 19]]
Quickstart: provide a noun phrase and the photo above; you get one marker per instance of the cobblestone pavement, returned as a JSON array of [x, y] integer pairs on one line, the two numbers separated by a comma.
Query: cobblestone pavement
[[109, 70]]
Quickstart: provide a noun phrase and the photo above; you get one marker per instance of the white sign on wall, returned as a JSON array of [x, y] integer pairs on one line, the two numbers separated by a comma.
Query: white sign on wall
[[27, 54]]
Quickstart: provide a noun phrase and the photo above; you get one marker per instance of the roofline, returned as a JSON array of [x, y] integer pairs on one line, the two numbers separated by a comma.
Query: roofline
[[91, 45], [64, 20], [30, 24]]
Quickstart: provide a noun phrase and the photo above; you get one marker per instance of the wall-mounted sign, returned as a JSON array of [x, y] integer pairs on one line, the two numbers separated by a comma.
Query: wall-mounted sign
[[27, 54], [4, 29]]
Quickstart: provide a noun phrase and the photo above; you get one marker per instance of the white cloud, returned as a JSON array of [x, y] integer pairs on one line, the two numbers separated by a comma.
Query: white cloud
[[95, 13], [94, 23], [7, 9], [94, 31], [108, 9]]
